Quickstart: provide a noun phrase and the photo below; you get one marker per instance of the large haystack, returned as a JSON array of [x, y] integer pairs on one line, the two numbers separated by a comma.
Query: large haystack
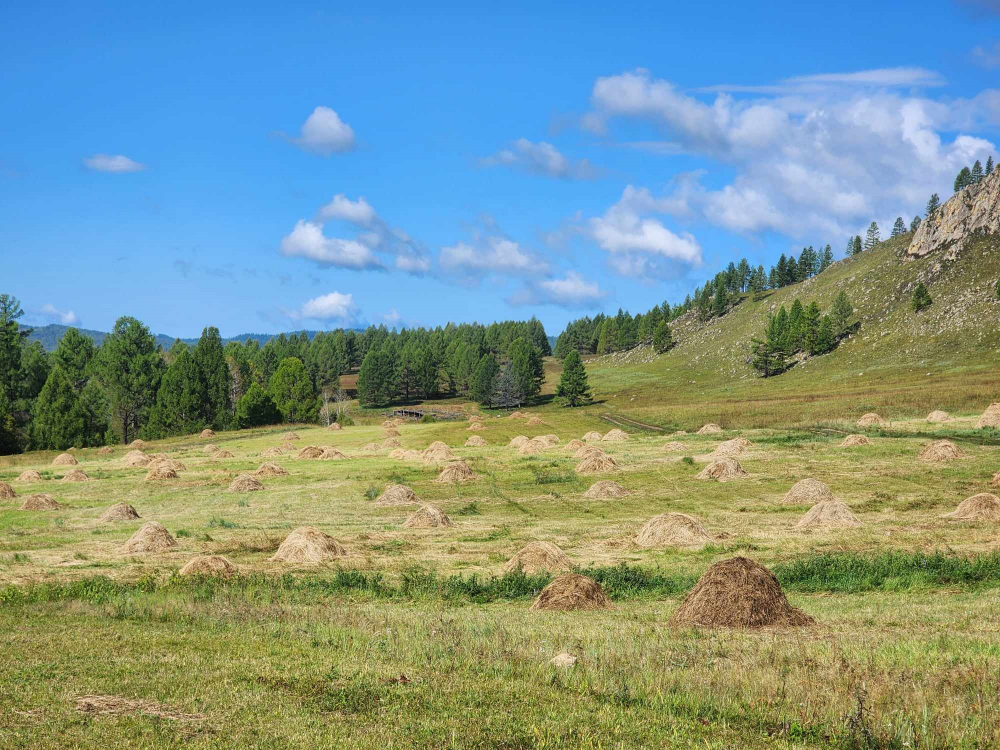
[[459, 471], [308, 545], [29, 475], [269, 469], [245, 483], [106, 450], [428, 517], [534, 422], [152, 537], [807, 492], [710, 429], [871, 419], [289, 436], [517, 442], [7, 492], [476, 426], [136, 459], [738, 593], [615, 436], [596, 464], [475, 441], [592, 437], [390, 433], [272, 453], [119, 512], [605, 489], [397, 494], [724, 469], [40, 501], [572, 591], [674, 447], [209, 565], [829, 514], [159, 472], [982, 507], [437, 452], [76, 475], [941, 450], [310, 451], [735, 447], [64, 459], [854, 441], [207, 433], [990, 418], [539, 557], [937, 417], [391, 443], [586, 451], [673, 530], [532, 447], [335, 426], [332, 454]]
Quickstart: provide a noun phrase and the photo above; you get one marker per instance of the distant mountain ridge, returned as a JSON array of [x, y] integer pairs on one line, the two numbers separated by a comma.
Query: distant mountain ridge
[[49, 336]]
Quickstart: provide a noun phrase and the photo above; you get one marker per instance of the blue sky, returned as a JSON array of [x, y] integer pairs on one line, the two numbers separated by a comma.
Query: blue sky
[[265, 167]]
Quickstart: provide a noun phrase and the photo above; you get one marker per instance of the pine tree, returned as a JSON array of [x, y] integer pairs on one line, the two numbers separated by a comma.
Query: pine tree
[[963, 179], [976, 176], [9, 439], [179, 408], [663, 338], [526, 364], [506, 393], [129, 368], [989, 166], [210, 359], [720, 303], [933, 204], [11, 337], [58, 419], [856, 247], [256, 408], [810, 326], [74, 355], [826, 260], [872, 237], [293, 393], [825, 340], [921, 298], [840, 315], [573, 388], [484, 381], [374, 379], [796, 329], [915, 224], [899, 227]]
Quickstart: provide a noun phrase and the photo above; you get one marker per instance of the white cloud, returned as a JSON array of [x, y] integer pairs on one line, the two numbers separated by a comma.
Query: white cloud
[[572, 291], [490, 254], [324, 133], [66, 318], [333, 306], [343, 208], [113, 164], [541, 158], [308, 241]]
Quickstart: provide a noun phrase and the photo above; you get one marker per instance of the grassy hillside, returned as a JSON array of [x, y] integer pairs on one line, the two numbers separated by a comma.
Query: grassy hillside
[[900, 363]]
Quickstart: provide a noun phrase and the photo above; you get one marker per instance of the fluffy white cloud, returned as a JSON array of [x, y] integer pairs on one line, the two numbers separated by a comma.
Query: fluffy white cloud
[[343, 208], [332, 306], [490, 254], [113, 164], [541, 158], [65, 317], [308, 241], [571, 292], [324, 133]]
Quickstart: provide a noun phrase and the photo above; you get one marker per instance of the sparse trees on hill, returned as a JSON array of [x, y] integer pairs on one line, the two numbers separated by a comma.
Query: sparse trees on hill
[[976, 175], [989, 166], [663, 338], [899, 227], [872, 237], [921, 298], [915, 224], [573, 388], [933, 204], [855, 246], [826, 260], [804, 328], [963, 179]]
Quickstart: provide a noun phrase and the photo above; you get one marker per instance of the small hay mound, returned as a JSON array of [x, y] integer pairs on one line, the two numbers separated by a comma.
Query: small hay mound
[[437, 453], [245, 483], [982, 507], [532, 447], [371, 448], [137, 445], [596, 464], [539, 557], [332, 454], [807, 492], [335, 426], [308, 545], [515, 415], [287, 446], [710, 429], [209, 565], [534, 422], [673, 530], [724, 469], [288, 436], [113, 705], [7, 492], [390, 433], [575, 444], [592, 437], [206, 433], [990, 418], [397, 494], [938, 416], [829, 514], [272, 453], [389, 423], [459, 471], [310, 451], [605, 489], [565, 660], [738, 593], [517, 442], [871, 419], [572, 591], [222, 454], [586, 451], [475, 441], [853, 441], [159, 472], [735, 447], [29, 476], [405, 455], [475, 418], [171, 463], [152, 537], [119, 512], [107, 450], [437, 445], [269, 469], [673, 447], [428, 517], [64, 459], [549, 440], [391, 443], [210, 448], [615, 436], [40, 501], [136, 459], [476, 426], [941, 450], [76, 475]]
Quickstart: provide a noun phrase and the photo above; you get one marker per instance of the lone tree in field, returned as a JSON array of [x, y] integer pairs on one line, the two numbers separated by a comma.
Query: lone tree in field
[[573, 388], [921, 298], [130, 370], [663, 339], [933, 204]]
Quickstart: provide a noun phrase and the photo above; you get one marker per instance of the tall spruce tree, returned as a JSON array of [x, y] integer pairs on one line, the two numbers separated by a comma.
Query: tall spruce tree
[[933, 204], [58, 418], [256, 408], [963, 179], [915, 224], [872, 236], [293, 393], [526, 363], [573, 388], [180, 400], [129, 368], [375, 379], [899, 227], [921, 298], [826, 260], [484, 380], [74, 355], [989, 166], [210, 359], [840, 314], [976, 175]]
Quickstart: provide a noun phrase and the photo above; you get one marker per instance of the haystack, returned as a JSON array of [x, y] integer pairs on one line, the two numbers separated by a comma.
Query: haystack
[[269, 469], [222, 454], [475, 441], [990, 418], [517, 442], [308, 545], [735, 447], [829, 514], [76, 475], [106, 450], [871, 419], [534, 422], [515, 415], [437, 452], [7, 492], [586, 451], [941, 450], [476, 426], [171, 463], [673, 447], [605, 489], [40, 501], [428, 517], [332, 454], [207, 433], [564, 660], [673, 530], [288, 436], [853, 441], [310, 451], [137, 445], [159, 472], [738, 593], [371, 448], [397, 494], [209, 565], [136, 459], [550, 439], [710, 429], [152, 537], [539, 557], [391, 433], [596, 464], [405, 455], [475, 418], [245, 483], [272, 453], [438, 445], [592, 437], [982, 507], [615, 436], [575, 444], [724, 469], [459, 471], [532, 447], [572, 591], [807, 492], [335, 426], [30, 475], [64, 459], [937, 417], [287, 446], [119, 512], [391, 443], [389, 423], [210, 448]]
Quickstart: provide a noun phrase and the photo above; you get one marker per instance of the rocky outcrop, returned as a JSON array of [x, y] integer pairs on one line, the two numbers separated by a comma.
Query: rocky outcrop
[[974, 210]]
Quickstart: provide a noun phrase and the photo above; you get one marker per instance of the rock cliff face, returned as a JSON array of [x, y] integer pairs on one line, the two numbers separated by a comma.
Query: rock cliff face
[[974, 210]]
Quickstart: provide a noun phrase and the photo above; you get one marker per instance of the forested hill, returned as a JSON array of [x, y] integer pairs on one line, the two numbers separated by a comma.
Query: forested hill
[[49, 336]]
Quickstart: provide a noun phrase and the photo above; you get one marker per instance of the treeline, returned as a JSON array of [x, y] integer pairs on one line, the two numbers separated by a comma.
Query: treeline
[[87, 395], [973, 176], [803, 329]]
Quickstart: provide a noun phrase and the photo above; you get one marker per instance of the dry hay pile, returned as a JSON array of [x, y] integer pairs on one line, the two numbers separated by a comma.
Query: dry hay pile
[[673, 447], [222, 454], [269, 469], [332, 454], [29, 475], [437, 452], [288, 436], [245, 483], [871, 419], [990, 418], [475, 441], [534, 422], [119, 512], [550, 439], [390, 433], [152, 537], [7, 492], [113, 705], [517, 442], [941, 450], [272, 453], [405, 455], [390, 423], [539, 557], [724, 469], [710, 429], [592, 437], [982, 507], [428, 517], [459, 471], [596, 463], [64, 459], [532, 447], [735, 447], [308, 545], [938, 416], [853, 441], [829, 514], [585, 451], [516, 415], [107, 450], [673, 530], [572, 591], [171, 463], [397, 494], [605, 489], [160, 471], [40, 501], [476, 426], [335, 426], [475, 418], [76, 475], [370, 448], [565, 660], [137, 445], [210, 448], [391, 443], [615, 436], [738, 593], [807, 492], [310, 451], [209, 565], [287, 446], [207, 433]]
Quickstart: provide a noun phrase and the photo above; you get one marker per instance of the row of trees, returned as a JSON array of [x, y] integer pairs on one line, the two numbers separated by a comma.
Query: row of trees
[[804, 328], [974, 176]]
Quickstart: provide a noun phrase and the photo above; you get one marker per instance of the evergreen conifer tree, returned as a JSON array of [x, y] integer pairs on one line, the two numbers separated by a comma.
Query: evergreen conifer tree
[[921, 298], [872, 237], [933, 204], [293, 393], [58, 418], [573, 388]]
